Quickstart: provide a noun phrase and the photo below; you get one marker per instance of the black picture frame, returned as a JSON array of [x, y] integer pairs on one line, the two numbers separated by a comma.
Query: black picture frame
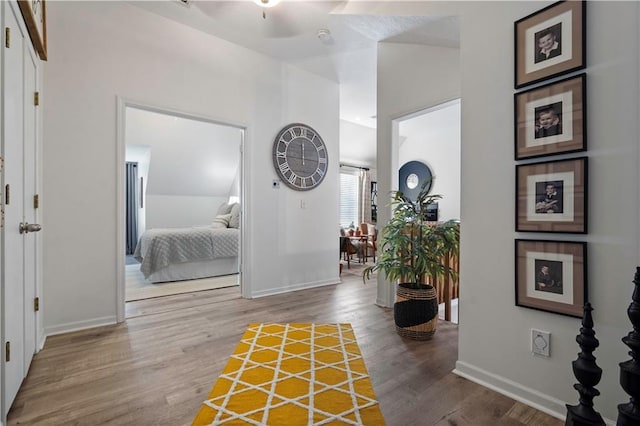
[[551, 276], [551, 119], [558, 30], [552, 196]]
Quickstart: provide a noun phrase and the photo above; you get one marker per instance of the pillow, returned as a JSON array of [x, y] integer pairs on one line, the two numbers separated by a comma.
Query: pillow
[[216, 225], [224, 209], [234, 221], [222, 219]]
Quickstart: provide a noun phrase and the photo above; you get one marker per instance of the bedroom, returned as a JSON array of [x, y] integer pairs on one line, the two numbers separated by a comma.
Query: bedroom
[[183, 191]]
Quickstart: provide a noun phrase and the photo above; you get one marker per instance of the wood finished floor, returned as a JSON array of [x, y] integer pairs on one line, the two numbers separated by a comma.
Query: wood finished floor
[[158, 366]]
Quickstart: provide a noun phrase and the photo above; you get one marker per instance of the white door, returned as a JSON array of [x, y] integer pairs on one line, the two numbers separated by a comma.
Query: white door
[[19, 247]]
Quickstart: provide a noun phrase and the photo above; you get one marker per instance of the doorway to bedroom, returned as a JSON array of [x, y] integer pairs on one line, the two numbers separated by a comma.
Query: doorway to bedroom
[[182, 203]]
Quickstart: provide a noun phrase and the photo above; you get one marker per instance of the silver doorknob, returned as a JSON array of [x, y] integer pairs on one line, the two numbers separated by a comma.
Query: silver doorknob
[[29, 227]]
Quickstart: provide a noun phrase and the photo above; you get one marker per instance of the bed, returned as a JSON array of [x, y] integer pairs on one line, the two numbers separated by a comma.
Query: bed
[[176, 254]]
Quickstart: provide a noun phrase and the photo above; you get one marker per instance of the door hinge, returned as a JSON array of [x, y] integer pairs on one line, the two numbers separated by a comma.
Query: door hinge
[[36, 201], [7, 352], [7, 197], [7, 37], [36, 304], [36, 98], [1, 163], [1, 216]]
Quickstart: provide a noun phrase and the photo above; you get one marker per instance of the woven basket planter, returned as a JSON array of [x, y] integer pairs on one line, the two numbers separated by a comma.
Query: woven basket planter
[[416, 312]]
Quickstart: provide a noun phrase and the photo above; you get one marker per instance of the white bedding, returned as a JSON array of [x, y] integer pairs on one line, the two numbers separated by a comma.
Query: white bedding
[[165, 254]]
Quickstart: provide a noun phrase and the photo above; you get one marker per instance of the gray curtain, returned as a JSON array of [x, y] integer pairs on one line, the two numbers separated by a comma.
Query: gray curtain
[[132, 207]]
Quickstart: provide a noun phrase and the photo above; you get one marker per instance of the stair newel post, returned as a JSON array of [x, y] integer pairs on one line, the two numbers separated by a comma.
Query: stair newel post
[[588, 374], [629, 413]]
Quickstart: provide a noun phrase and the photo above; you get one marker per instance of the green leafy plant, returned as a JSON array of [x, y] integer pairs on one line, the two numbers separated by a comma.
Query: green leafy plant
[[412, 249]]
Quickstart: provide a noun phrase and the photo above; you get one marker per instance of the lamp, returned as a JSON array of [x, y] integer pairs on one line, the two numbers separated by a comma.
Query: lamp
[[266, 4]]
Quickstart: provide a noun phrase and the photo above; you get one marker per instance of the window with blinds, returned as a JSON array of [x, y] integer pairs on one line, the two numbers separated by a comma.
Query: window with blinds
[[349, 196]]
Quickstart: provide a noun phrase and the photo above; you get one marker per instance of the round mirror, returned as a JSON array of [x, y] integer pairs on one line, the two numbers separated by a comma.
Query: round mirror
[[412, 181]]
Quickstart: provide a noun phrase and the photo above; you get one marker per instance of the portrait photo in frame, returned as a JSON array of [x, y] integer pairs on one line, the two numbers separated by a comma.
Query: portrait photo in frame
[[551, 276], [551, 119], [550, 42], [552, 196], [35, 17]]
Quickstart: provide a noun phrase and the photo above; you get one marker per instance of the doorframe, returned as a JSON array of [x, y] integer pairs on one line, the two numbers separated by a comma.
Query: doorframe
[[386, 290], [121, 105]]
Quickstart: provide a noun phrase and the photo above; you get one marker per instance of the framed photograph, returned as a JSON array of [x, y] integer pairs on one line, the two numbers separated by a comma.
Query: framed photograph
[[552, 196], [551, 119], [550, 42], [35, 16], [552, 276]]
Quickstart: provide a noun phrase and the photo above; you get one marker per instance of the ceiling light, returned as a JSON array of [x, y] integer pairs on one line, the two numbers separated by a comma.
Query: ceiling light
[[266, 3]]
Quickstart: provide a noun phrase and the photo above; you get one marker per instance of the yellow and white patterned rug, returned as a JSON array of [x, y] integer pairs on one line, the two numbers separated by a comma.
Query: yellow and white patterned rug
[[293, 374]]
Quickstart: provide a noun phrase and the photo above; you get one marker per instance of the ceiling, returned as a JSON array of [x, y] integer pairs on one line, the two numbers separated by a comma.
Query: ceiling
[[289, 32]]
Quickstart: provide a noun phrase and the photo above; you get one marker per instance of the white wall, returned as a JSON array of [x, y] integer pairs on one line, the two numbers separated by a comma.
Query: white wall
[[357, 144], [191, 166], [495, 334], [410, 78], [101, 50], [178, 211], [283, 257], [434, 139]]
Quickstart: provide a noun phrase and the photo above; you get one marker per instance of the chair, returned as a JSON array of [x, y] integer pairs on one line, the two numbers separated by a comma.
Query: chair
[[369, 230], [347, 249]]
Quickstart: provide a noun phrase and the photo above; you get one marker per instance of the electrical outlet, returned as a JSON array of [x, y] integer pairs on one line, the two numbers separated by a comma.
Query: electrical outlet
[[540, 342]]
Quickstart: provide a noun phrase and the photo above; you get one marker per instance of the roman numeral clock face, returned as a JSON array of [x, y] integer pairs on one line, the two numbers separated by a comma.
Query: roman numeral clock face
[[300, 157]]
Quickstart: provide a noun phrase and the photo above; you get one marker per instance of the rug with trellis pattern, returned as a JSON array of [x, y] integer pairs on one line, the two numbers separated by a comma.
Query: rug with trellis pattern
[[293, 374]]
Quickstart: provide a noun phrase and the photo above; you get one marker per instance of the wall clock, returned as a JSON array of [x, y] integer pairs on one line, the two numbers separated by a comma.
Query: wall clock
[[300, 157], [412, 176]]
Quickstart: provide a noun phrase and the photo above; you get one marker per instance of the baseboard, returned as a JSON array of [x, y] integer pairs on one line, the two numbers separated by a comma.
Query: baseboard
[[295, 287], [43, 339], [79, 325], [383, 303], [552, 406]]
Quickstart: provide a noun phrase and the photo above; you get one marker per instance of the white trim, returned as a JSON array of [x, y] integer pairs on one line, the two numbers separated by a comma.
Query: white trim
[[40, 344], [531, 397], [552, 406], [295, 287], [422, 111], [121, 104], [80, 325]]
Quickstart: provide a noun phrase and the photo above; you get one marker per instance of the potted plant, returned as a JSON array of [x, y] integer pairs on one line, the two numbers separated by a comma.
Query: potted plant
[[412, 252]]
